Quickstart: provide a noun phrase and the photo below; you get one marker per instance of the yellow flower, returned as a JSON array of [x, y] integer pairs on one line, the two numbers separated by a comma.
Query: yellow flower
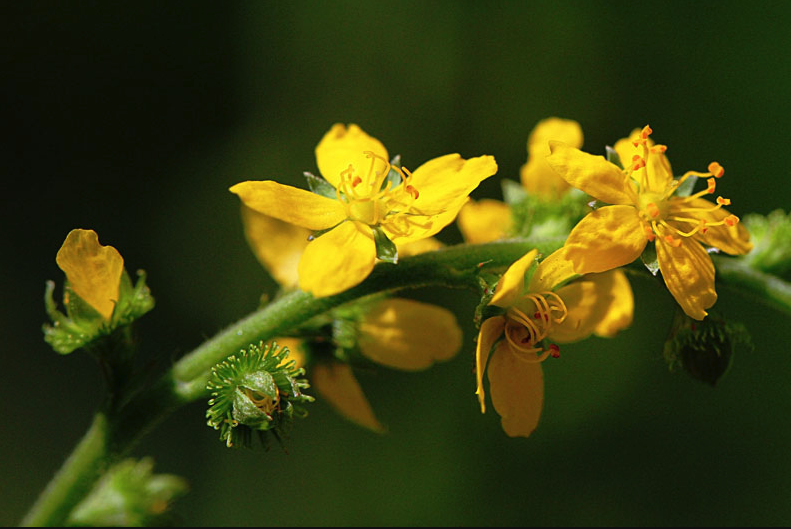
[[488, 220], [547, 310], [93, 271], [356, 165], [398, 333], [645, 209]]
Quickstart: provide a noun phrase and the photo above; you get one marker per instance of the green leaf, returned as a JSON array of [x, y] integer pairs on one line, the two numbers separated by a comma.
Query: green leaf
[[320, 186], [686, 187], [613, 157], [385, 248], [648, 257]]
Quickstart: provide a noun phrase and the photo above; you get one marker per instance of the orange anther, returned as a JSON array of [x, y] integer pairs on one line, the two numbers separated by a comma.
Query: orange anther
[[716, 169], [637, 162], [412, 191], [554, 351], [646, 132], [675, 243], [659, 149], [731, 220], [712, 185], [649, 233], [702, 228], [652, 209], [723, 201], [356, 181]]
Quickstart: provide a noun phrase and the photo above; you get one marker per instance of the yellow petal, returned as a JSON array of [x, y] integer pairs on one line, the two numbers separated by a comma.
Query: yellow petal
[[295, 350], [658, 172], [484, 221], [409, 335], [592, 174], [278, 245], [538, 178], [94, 271], [491, 329], [517, 389], [290, 204], [512, 283], [340, 259], [552, 271], [606, 238], [689, 276], [335, 383], [444, 183], [620, 312], [406, 229], [733, 240], [420, 246], [341, 147]]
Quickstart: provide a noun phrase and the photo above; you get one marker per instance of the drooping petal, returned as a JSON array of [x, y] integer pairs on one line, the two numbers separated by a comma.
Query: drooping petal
[[420, 246], [445, 182], [538, 178], [689, 275], [491, 329], [582, 300], [517, 389], [335, 382], [341, 147], [484, 221], [278, 245], [620, 312], [592, 174], [552, 271], [290, 204], [94, 271], [658, 172], [407, 334], [606, 238], [733, 240], [512, 283], [339, 259]]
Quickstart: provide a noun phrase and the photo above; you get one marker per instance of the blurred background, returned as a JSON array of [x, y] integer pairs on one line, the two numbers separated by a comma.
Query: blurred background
[[133, 119]]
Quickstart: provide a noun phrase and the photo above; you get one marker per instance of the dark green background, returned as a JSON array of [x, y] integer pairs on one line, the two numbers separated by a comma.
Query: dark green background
[[133, 119]]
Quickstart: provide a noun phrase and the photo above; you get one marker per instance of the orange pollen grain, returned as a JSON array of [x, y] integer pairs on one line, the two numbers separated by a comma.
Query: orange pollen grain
[[357, 181], [712, 185], [649, 233], [731, 220], [412, 191], [554, 350], [723, 201], [652, 209], [638, 162], [646, 132], [716, 169], [659, 149], [675, 243], [702, 228]]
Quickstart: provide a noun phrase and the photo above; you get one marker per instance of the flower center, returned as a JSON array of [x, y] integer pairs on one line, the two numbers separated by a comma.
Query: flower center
[[372, 198], [530, 321]]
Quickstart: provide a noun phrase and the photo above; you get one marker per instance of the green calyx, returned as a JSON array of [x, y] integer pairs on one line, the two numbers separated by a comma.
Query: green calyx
[[257, 390]]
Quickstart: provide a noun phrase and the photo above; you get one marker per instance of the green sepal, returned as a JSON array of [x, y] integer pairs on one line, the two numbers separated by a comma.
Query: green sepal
[[686, 187], [704, 349], [130, 495], [535, 218], [487, 283], [319, 185], [385, 248], [649, 259], [771, 238], [612, 157]]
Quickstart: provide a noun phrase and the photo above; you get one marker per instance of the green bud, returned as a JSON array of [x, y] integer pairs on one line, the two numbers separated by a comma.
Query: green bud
[[771, 238], [130, 495], [543, 219]]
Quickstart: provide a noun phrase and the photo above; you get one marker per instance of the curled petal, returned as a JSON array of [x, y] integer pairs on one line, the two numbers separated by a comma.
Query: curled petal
[[290, 204], [689, 275], [484, 221], [538, 178], [94, 271], [592, 174], [335, 383], [409, 335], [491, 329], [339, 259], [445, 182], [341, 147], [606, 238], [512, 283], [517, 389], [278, 245]]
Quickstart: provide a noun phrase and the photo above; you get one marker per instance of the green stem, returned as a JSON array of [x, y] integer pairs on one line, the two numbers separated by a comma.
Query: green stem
[[765, 288]]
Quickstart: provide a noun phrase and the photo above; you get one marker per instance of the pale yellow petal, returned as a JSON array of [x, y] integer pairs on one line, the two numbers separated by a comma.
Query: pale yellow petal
[[592, 174], [341, 147], [733, 240], [338, 260], [689, 275], [484, 221], [512, 283], [552, 271], [538, 178], [657, 170], [606, 238], [290, 204], [94, 271], [420, 246], [335, 383], [445, 182], [407, 334], [491, 329], [278, 245], [517, 389]]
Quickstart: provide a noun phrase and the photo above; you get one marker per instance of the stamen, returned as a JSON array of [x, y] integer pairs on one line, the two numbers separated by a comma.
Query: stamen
[[712, 185], [649, 233], [646, 132], [716, 169], [731, 220], [659, 149], [412, 191], [702, 226], [357, 181], [554, 350], [675, 243], [652, 209], [637, 162], [723, 201]]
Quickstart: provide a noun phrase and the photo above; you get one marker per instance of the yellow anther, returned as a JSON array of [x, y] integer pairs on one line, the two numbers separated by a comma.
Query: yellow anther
[[716, 169], [649, 233], [702, 226], [723, 201], [659, 149], [712, 185], [672, 241], [652, 209], [731, 220], [646, 132], [637, 162]]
